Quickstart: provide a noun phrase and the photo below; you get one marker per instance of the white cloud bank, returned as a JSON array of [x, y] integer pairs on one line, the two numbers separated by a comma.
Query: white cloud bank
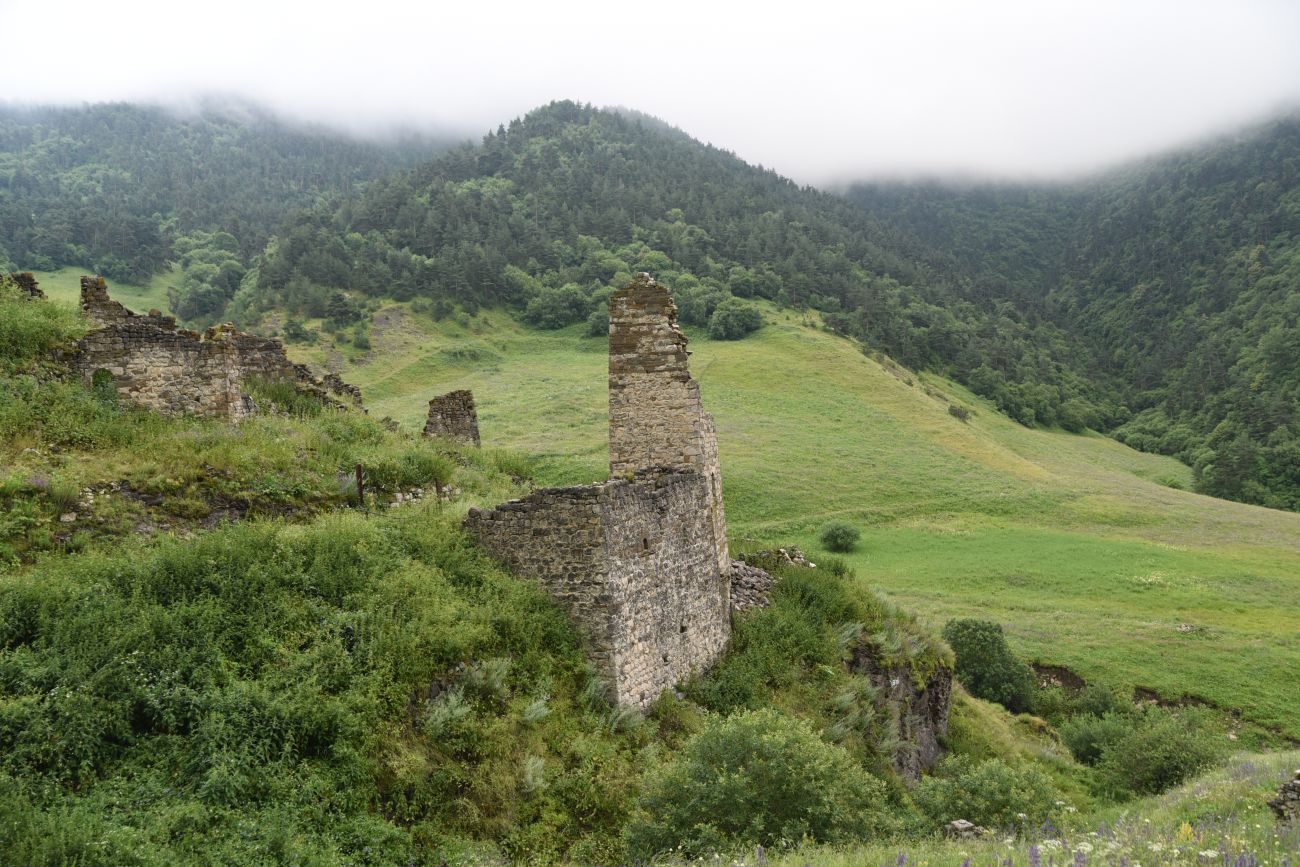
[[820, 91]]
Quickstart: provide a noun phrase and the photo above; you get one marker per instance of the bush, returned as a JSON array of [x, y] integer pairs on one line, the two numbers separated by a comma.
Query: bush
[[733, 319], [1088, 736], [30, 329], [757, 778], [555, 307], [840, 537], [987, 667], [598, 323], [1161, 750], [992, 794]]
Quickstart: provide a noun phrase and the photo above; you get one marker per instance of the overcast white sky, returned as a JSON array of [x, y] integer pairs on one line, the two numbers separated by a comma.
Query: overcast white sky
[[819, 91]]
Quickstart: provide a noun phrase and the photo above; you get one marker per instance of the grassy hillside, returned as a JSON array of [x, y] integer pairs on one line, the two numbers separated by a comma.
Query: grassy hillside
[[1089, 552], [64, 286], [1219, 819]]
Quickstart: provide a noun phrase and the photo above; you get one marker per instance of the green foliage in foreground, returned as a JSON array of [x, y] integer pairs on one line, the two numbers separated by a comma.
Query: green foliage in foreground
[[1220, 818], [991, 793], [270, 688], [756, 778], [987, 667]]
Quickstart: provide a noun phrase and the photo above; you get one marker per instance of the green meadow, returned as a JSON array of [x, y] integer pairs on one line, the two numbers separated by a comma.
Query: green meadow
[[64, 286], [1093, 556]]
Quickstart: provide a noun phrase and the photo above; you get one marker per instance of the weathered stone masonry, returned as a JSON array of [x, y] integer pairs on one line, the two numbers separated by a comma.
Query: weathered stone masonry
[[633, 563], [656, 418], [454, 416], [27, 283], [175, 371], [640, 562]]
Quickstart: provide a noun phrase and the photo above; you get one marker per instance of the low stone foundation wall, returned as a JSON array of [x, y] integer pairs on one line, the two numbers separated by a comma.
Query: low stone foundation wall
[[176, 371]]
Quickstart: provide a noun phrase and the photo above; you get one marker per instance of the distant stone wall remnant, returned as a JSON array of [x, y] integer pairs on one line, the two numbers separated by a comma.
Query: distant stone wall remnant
[[155, 365], [634, 564], [639, 562], [1286, 806], [656, 418], [453, 416], [26, 282]]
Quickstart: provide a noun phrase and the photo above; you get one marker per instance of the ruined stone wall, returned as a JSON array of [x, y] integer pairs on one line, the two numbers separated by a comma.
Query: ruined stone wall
[[175, 371], [635, 565], [26, 282], [454, 416], [656, 418]]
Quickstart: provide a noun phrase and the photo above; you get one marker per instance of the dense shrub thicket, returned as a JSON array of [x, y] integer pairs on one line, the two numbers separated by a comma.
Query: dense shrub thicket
[[1144, 750], [756, 778], [991, 793], [987, 667]]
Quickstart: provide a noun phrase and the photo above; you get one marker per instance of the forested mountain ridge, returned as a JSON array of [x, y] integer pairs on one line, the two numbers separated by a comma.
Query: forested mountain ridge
[[553, 211], [1180, 276], [123, 189]]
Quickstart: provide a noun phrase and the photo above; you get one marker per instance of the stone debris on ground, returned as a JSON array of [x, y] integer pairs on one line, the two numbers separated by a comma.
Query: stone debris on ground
[[1286, 806], [751, 587]]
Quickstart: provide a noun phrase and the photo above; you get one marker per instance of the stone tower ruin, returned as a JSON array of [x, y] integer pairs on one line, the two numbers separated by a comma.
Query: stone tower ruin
[[656, 418], [639, 562]]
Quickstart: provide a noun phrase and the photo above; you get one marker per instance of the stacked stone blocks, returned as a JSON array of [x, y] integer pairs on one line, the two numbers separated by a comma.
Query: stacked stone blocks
[[155, 365], [454, 416], [639, 562]]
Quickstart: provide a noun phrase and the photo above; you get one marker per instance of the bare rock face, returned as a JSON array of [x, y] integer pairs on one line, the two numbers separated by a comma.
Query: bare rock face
[[453, 415], [155, 365], [1286, 806], [921, 709]]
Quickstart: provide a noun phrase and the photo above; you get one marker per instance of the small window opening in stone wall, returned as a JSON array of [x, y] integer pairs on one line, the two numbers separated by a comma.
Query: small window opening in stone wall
[[645, 544], [682, 628]]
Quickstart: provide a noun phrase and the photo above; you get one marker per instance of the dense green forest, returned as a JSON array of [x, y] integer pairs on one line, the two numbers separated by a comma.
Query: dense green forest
[[125, 189], [1179, 278], [550, 213], [1157, 303]]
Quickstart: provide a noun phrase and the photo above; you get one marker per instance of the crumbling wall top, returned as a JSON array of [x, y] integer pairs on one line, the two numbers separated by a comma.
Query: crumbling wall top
[[26, 282], [453, 415]]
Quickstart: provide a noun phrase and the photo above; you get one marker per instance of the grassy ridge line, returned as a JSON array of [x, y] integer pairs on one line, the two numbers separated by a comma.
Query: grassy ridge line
[[1077, 543]]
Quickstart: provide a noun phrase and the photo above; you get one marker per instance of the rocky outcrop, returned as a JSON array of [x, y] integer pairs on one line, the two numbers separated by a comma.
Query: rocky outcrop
[[176, 371], [919, 710], [453, 416]]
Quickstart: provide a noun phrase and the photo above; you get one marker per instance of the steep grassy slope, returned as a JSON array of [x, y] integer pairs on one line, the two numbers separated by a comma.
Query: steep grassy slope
[[1088, 551]]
